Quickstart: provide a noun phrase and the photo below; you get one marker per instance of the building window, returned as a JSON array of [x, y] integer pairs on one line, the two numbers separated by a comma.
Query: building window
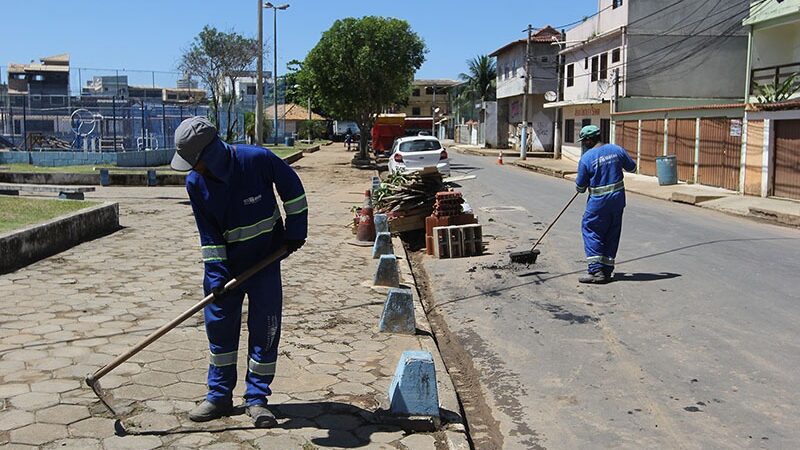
[[544, 59], [428, 90], [415, 93], [38, 78], [19, 76], [586, 63], [172, 97], [251, 90], [605, 130], [36, 98], [514, 68], [415, 111], [595, 67], [56, 100], [616, 4], [615, 54], [570, 75], [586, 122], [569, 131], [604, 66]]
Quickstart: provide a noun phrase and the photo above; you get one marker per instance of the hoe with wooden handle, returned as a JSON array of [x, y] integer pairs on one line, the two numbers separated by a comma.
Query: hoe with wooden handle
[[93, 380], [529, 256]]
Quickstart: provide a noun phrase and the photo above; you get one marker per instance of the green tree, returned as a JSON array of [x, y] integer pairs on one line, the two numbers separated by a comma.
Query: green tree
[[361, 67], [216, 57], [481, 77], [250, 127]]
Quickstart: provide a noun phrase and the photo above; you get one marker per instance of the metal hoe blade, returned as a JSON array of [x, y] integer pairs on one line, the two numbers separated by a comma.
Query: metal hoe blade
[[105, 397]]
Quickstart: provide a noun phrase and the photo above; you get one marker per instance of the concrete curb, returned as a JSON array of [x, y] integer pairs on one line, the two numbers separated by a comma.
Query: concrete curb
[[775, 216], [312, 149], [454, 428], [294, 157], [22, 247], [558, 173]]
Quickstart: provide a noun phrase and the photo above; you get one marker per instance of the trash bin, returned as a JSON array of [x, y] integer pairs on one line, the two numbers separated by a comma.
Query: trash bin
[[288, 141], [667, 170]]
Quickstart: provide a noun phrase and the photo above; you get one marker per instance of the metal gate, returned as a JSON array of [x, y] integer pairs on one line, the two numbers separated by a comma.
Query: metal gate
[[786, 175], [720, 152], [627, 136], [681, 142], [652, 145]]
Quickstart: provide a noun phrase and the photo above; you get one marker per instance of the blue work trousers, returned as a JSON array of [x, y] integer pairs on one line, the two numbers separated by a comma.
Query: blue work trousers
[[601, 230], [223, 320]]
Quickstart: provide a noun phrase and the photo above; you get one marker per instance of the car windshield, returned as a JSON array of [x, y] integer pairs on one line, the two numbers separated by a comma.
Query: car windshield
[[420, 146]]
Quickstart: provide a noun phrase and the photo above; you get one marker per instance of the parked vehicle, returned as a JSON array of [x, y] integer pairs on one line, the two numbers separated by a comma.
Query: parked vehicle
[[386, 129], [418, 152], [340, 129], [418, 125]]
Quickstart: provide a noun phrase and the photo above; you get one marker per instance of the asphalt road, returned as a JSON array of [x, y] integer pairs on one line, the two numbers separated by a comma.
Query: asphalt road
[[696, 345]]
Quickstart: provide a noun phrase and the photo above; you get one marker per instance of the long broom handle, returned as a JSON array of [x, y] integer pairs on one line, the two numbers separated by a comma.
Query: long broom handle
[[232, 284], [556, 220]]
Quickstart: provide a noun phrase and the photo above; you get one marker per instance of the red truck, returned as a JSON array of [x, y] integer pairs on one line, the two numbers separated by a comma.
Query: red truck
[[388, 127]]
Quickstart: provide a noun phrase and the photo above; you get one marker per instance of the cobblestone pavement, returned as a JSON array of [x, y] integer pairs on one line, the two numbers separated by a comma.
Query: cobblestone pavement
[[67, 315]]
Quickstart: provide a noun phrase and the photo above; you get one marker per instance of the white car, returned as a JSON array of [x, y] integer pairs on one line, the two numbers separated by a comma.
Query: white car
[[415, 153]]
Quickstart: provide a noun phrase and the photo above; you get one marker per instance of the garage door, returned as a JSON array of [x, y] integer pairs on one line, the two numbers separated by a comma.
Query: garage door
[[786, 179], [681, 144], [720, 152], [652, 145]]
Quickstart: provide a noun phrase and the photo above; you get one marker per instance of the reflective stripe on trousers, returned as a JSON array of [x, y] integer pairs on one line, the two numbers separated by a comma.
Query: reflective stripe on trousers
[[600, 259], [223, 359], [263, 369]]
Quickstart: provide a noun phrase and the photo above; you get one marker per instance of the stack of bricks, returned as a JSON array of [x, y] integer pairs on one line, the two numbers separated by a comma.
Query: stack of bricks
[[447, 211]]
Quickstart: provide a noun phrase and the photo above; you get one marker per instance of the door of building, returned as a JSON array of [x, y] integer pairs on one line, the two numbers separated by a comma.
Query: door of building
[[786, 172]]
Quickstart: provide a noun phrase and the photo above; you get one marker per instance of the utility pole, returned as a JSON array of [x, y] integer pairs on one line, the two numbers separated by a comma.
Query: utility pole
[[259, 78], [433, 112], [559, 97], [616, 89], [309, 118], [523, 151]]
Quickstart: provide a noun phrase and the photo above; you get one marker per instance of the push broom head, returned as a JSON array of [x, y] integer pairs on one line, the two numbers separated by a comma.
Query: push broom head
[[526, 257]]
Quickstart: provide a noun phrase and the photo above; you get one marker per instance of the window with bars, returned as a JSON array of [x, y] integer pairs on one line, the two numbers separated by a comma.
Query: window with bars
[[570, 75], [595, 68], [569, 131], [604, 66]]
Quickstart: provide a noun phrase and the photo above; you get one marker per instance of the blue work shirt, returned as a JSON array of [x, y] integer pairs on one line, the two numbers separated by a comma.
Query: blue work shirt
[[600, 172], [236, 210]]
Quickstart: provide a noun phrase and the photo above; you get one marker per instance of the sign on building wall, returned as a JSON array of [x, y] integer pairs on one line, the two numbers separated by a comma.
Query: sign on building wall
[[736, 127]]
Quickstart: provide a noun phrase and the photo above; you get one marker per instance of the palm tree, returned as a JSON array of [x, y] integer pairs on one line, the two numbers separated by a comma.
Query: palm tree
[[481, 77]]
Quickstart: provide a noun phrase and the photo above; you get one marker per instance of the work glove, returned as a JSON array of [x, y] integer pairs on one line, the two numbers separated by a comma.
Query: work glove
[[292, 245]]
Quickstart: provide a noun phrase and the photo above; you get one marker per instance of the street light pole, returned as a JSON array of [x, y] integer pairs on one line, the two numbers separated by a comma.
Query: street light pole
[[259, 78], [275, 59]]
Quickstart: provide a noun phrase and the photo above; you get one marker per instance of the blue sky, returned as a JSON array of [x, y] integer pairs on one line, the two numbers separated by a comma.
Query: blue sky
[[150, 34]]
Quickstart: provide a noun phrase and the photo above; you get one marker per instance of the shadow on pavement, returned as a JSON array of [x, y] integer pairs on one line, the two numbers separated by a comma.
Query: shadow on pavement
[[623, 276], [347, 426]]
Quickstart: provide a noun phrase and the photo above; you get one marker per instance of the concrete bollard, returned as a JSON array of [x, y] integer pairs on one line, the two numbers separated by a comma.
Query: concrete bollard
[[398, 313], [413, 391], [381, 223], [383, 245], [387, 273], [151, 178], [104, 178]]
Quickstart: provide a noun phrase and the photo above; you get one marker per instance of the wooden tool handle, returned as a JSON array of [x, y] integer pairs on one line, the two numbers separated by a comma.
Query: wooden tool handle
[[555, 220], [232, 284]]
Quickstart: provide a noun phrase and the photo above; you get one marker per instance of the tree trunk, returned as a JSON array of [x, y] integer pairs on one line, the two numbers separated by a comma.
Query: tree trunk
[[362, 146]]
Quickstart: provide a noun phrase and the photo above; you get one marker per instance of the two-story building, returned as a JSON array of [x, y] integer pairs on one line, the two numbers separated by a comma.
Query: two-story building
[[772, 157], [40, 85], [512, 74], [640, 56], [426, 96]]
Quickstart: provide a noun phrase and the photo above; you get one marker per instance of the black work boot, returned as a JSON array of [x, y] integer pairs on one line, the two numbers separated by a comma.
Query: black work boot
[[206, 411], [594, 278], [262, 417]]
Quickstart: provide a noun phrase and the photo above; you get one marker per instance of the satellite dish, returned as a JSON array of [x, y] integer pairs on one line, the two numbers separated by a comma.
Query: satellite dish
[[550, 96]]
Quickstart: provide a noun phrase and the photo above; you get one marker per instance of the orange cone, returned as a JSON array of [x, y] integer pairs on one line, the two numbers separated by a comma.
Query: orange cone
[[500, 158]]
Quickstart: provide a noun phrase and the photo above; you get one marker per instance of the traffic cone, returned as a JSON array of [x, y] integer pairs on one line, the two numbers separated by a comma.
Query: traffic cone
[[500, 158], [365, 231]]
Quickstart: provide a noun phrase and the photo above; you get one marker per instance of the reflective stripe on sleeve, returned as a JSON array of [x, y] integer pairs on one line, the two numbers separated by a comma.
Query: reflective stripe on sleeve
[[223, 359], [580, 189], [263, 369], [603, 190], [296, 206], [214, 253], [249, 232]]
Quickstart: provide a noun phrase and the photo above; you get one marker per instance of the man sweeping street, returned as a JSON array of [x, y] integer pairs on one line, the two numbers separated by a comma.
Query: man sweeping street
[[600, 171], [232, 196]]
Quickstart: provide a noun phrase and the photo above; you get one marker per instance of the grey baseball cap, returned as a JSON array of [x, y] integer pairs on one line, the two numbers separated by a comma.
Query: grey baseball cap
[[191, 137]]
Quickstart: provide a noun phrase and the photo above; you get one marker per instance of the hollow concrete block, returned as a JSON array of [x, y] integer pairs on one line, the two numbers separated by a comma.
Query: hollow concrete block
[[413, 391], [398, 313]]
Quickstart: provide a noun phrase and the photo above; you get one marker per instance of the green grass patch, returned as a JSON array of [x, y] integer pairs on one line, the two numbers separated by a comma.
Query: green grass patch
[[19, 212]]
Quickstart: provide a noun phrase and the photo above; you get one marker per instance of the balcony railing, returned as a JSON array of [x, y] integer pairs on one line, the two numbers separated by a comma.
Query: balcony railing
[[774, 75]]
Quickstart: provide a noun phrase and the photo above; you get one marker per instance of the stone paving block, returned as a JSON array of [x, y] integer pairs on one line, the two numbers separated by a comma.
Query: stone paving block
[[387, 273], [131, 443], [15, 418], [413, 391], [12, 389], [63, 414], [419, 441], [398, 313], [38, 433], [74, 444], [34, 400], [55, 386], [285, 441], [153, 422], [383, 245]]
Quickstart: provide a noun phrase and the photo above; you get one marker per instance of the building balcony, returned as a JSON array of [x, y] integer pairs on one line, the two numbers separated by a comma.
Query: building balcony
[[773, 75]]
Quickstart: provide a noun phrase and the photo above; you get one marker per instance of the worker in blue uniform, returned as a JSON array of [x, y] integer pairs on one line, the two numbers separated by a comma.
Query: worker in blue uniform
[[600, 172], [232, 196]]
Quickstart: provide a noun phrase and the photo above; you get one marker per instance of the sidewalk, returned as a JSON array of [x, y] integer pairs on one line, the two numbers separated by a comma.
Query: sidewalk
[[784, 212], [67, 315]]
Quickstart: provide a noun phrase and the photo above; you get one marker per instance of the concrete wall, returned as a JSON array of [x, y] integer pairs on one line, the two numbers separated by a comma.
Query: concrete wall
[[754, 157], [61, 158], [776, 45], [20, 248], [572, 150], [511, 70], [607, 20], [583, 87]]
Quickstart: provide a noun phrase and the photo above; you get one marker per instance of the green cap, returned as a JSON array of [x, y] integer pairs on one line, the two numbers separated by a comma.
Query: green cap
[[589, 131]]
